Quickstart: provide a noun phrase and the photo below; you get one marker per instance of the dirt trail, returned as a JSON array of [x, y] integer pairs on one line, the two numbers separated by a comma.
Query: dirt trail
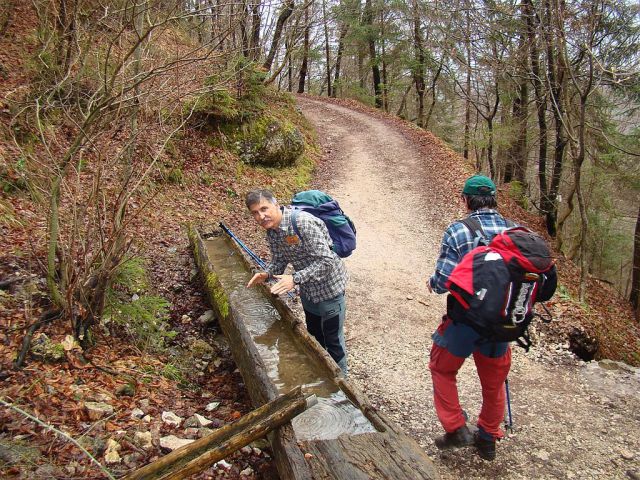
[[573, 420]]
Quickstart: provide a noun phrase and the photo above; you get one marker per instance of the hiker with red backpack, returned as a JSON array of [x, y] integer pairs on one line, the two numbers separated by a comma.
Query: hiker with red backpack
[[303, 239], [494, 274]]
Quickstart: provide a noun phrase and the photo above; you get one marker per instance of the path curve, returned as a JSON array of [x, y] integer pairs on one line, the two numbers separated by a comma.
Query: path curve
[[572, 420]]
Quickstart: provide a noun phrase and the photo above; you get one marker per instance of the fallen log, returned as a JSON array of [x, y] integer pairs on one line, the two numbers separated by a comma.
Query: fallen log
[[203, 453]]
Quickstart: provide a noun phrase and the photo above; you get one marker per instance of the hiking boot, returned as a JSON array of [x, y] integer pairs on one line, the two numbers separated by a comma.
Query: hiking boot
[[462, 437], [486, 448]]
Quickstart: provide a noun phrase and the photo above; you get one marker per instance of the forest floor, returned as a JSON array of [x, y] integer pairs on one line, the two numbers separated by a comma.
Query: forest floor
[[401, 186]]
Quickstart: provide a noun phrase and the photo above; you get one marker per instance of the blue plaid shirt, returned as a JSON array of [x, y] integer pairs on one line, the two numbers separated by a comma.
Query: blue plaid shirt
[[458, 240]]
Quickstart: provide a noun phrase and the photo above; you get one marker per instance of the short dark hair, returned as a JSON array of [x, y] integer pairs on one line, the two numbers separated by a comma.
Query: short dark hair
[[254, 196], [476, 202]]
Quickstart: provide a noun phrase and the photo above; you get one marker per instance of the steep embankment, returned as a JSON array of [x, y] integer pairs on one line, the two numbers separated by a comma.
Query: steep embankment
[[573, 420]]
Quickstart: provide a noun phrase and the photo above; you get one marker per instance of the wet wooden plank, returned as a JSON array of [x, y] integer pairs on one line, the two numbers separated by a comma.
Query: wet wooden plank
[[369, 456]]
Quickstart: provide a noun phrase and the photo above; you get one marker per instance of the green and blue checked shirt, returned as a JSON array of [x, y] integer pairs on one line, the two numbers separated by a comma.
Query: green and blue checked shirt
[[322, 273]]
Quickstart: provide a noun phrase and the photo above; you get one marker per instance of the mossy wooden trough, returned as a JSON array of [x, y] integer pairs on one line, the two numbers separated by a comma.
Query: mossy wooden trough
[[276, 354]]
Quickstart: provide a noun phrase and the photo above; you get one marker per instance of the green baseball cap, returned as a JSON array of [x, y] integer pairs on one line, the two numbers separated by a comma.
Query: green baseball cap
[[479, 185]]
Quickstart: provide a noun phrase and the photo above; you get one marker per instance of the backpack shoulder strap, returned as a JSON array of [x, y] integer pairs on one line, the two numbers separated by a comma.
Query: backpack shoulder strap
[[294, 222], [475, 227]]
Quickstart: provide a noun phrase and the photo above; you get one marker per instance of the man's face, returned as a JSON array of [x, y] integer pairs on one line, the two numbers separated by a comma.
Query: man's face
[[267, 214]]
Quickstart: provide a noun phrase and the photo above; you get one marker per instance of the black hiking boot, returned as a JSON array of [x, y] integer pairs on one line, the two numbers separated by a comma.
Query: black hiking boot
[[486, 448], [462, 437]]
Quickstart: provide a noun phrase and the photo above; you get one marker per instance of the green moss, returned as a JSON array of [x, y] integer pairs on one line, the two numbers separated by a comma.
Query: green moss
[[217, 294]]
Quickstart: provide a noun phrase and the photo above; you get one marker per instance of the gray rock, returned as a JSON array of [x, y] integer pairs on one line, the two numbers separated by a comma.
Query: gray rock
[[137, 414], [627, 455], [111, 455], [197, 421], [246, 472], [171, 442], [132, 460], [172, 419], [223, 464], [143, 440], [212, 406], [207, 317], [98, 410]]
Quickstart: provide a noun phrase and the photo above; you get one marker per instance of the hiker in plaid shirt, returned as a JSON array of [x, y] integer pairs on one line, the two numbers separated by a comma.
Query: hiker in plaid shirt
[[454, 342], [319, 272]]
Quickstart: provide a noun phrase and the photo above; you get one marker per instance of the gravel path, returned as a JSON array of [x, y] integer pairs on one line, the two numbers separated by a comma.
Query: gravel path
[[573, 420]]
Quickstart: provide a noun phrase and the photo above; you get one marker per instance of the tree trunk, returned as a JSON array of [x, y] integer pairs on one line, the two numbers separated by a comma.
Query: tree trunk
[[432, 90], [255, 31], [556, 71], [375, 69], [541, 107], [517, 153], [244, 29], [385, 84], [327, 48], [635, 274], [344, 28], [305, 51], [418, 70], [467, 108], [285, 13]]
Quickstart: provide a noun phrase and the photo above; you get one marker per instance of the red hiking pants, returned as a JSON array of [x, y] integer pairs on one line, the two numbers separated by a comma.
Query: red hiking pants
[[492, 371]]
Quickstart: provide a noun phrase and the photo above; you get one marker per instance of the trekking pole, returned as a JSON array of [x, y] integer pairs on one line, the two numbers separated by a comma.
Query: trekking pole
[[261, 263], [509, 425], [253, 256]]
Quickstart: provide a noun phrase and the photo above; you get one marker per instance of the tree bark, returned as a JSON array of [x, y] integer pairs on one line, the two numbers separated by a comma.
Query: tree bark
[[305, 51], [418, 70], [556, 70], [635, 274], [255, 31], [517, 153], [285, 13], [467, 107], [375, 69], [541, 105], [344, 28], [327, 48]]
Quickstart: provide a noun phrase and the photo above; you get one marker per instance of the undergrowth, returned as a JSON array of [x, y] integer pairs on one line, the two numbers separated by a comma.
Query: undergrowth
[[129, 307]]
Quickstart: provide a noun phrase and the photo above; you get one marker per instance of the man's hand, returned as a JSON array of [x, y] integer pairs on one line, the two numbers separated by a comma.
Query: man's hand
[[429, 285], [283, 285], [258, 278]]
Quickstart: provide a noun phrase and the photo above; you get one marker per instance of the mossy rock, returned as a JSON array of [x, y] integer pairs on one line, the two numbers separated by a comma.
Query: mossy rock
[[271, 142], [46, 350], [201, 349]]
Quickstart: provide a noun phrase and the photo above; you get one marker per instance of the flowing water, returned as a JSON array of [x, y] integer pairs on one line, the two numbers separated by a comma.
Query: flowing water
[[288, 365]]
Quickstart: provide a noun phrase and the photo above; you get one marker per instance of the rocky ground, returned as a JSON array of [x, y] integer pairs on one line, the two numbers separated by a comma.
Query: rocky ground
[[572, 419]]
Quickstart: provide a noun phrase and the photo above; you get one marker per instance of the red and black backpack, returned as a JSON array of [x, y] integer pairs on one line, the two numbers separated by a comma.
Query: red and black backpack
[[494, 287]]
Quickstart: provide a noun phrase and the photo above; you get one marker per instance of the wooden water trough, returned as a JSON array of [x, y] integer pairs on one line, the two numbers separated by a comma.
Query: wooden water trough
[[379, 450]]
